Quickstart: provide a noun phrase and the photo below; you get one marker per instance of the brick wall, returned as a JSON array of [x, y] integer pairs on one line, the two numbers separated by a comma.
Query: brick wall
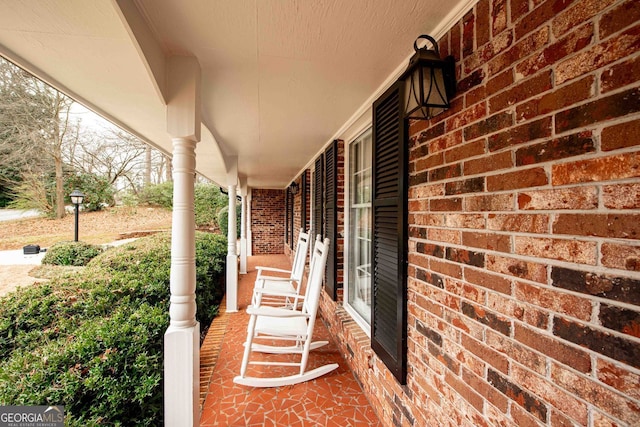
[[267, 221], [524, 223]]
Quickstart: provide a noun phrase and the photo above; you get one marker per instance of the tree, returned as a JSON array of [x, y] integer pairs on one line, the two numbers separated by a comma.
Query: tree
[[34, 120]]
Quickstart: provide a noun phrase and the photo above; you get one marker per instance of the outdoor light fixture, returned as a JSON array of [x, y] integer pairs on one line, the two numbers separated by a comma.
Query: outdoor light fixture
[[430, 81], [294, 188], [77, 198]]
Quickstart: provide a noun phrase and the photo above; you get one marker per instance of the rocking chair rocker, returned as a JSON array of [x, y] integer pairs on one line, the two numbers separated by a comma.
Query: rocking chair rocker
[[287, 325], [271, 290]]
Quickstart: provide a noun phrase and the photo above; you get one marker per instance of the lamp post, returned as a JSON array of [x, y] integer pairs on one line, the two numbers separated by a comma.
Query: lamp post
[[76, 198]]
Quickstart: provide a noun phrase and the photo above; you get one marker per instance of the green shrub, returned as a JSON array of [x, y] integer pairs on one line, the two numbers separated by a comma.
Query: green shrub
[[71, 253], [157, 195], [208, 201], [94, 341], [223, 220]]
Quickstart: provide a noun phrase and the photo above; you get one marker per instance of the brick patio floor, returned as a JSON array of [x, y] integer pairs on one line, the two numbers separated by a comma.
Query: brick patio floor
[[335, 399]]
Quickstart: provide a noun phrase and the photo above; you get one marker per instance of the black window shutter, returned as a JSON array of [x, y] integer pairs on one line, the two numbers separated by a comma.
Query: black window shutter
[[318, 190], [303, 208], [389, 246], [331, 218], [286, 217]]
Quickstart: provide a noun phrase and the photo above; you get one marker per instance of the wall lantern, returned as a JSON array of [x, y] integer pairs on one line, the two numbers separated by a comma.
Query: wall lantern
[[430, 82], [294, 187], [77, 197]]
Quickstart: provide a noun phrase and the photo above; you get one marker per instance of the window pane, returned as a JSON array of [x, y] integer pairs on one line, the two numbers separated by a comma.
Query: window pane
[[359, 267]]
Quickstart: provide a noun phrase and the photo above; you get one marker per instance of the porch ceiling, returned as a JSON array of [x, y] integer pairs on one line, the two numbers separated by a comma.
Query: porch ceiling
[[280, 78]]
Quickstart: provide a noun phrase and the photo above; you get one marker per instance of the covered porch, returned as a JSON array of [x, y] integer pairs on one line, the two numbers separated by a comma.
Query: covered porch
[[333, 399]]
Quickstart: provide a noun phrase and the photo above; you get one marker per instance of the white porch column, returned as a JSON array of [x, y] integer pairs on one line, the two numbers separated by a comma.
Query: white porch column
[[232, 256], [243, 230], [182, 338]]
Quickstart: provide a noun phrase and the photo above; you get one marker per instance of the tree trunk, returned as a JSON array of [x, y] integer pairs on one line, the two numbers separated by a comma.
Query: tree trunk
[[147, 167]]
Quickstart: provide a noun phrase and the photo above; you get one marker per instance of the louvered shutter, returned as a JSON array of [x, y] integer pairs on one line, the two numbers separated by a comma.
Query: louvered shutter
[[331, 217], [318, 190], [389, 245], [287, 196], [303, 208]]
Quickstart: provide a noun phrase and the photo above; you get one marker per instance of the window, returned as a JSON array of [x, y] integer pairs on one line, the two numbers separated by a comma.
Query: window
[[359, 244]]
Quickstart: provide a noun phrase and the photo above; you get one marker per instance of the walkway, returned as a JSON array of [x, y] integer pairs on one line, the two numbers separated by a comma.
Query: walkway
[[335, 399]]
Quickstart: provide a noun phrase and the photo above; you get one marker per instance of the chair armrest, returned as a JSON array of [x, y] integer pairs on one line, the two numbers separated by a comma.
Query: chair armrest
[[272, 269], [274, 279], [274, 312], [273, 293]]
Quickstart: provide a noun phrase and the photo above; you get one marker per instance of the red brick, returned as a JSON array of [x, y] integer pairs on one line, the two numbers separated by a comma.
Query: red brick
[[571, 198], [549, 392], [475, 95], [518, 311], [466, 291], [522, 223], [476, 221], [619, 378], [267, 216], [444, 235], [519, 8], [426, 219], [541, 15], [445, 172], [580, 12], [488, 280], [550, 299], [498, 16], [450, 139], [521, 134], [488, 203], [517, 352], [523, 398], [528, 270], [517, 52], [467, 116], [576, 251], [556, 149], [550, 346], [500, 82], [485, 353], [563, 97], [624, 14], [617, 47], [525, 89], [486, 317], [473, 80], [468, 27], [488, 163], [490, 50], [620, 75], [490, 241], [547, 57], [623, 257], [485, 389], [429, 162], [601, 397], [462, 152], [620, 135], [613, 225], [520, 179], [471, 185], [611, 286], [455, 44], [426, 191], [483, 28], [442, 205], [466, 392], [599, 169]]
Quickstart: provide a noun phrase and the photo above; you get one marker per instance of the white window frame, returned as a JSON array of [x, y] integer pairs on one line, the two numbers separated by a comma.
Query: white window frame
[[360, 321]]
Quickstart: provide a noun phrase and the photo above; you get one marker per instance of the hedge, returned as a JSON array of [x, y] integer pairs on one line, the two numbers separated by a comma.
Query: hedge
[[93, 341]]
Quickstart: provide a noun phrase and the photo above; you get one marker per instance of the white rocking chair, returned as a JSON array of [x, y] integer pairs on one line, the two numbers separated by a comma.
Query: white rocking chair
[[282, 291], [287, 325]]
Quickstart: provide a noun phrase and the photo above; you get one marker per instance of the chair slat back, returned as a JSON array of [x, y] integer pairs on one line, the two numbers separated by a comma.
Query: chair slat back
[[316, 276], [300, 257]]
